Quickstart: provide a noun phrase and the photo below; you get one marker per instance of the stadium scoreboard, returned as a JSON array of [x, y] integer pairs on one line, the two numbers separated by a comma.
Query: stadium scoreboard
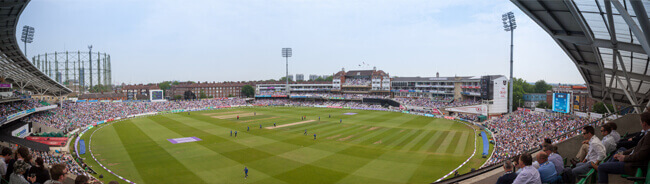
[[156, 95], [562, 102]]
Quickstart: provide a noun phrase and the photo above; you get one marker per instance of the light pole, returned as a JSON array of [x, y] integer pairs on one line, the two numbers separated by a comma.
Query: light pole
[[286, 53], [509, 24], [27, 36]]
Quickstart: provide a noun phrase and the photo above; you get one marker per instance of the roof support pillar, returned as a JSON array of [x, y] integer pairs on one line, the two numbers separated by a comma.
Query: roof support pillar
[[627, 94]]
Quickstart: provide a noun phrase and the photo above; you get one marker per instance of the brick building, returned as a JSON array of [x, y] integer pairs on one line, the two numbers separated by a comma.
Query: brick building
[[138, 91]]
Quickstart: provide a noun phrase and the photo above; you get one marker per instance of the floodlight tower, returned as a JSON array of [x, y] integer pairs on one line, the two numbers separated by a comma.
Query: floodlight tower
[[27, 36], [510, 25], [286, 53]]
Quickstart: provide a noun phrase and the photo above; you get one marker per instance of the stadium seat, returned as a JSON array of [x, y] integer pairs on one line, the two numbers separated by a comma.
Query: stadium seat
[[638, 177]]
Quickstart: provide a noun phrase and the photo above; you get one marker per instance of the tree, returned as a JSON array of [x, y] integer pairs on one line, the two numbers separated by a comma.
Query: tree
[[518, 90], [165, 85], [231, 95], [189, 95], [202, 94], [330, 78], [542, 87], [543, 105], [282, 79], [178, 97], [599, 107], [100, 88], [248, 91]]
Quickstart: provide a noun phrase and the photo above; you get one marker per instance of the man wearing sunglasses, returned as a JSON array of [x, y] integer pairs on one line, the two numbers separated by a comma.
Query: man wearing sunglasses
[[595, 153]]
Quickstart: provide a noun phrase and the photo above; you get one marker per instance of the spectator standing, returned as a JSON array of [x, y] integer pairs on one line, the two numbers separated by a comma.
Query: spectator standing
[[58, 173], [42, 174], [20, 167]]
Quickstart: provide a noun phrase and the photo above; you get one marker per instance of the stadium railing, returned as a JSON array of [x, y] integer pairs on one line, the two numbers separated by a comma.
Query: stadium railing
[[484, 170]]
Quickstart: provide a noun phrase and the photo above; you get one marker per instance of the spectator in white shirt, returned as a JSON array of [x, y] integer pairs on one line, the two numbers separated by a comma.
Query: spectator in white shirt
[[615, 134], [608, 138], [596, 152], [528, 173]]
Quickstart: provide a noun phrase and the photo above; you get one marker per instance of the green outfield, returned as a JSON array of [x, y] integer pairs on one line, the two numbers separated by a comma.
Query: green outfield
[[367, 147]]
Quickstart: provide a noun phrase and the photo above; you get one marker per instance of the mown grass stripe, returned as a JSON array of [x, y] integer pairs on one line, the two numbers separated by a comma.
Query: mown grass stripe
[[432, 140], [460, 148], [407, 139], [142, 149], [113, 154], [445, 144], [415, 141], [390, 138], [371, 135], [401, 139], [380, 137]]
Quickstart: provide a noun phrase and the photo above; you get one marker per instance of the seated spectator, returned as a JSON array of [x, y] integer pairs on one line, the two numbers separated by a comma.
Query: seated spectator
[[595, 152], [510, 175], [547, 171], [20, 167], [628, 161], [528, 173], [630, 140], [553, 157], [615, 134], [608, 138], [58, 173]]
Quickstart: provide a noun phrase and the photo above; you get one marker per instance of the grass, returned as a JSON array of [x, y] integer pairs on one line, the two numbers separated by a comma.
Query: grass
[[368, 147]]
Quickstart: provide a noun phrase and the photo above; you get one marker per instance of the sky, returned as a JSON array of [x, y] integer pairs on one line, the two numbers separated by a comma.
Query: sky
[[240, 40]]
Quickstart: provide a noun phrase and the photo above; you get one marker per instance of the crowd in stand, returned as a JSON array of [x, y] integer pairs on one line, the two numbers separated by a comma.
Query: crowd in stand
[[52, 159], [356, 82], [521, 131], [329, 95], [17, 106], [313, 103], [272, 93], [21, 166], [608, 154], [434, 103], [73, 115], [471, 117]]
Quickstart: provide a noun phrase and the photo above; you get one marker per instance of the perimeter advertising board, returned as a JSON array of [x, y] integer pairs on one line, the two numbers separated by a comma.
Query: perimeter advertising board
[[21, 132]]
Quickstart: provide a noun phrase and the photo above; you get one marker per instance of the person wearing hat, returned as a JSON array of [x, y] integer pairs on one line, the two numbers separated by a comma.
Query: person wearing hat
[[20, 167]]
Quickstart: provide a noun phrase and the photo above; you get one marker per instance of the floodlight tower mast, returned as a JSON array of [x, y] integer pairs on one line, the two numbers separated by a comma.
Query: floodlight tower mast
[[27, 37], [286, 53], [510, 25]]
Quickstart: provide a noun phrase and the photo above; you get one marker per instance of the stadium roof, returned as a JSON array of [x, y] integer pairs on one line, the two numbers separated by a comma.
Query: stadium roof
[[606, 40], [14, 66]]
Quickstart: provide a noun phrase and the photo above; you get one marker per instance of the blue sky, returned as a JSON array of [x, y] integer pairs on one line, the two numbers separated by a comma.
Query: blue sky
[[157, 40]]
